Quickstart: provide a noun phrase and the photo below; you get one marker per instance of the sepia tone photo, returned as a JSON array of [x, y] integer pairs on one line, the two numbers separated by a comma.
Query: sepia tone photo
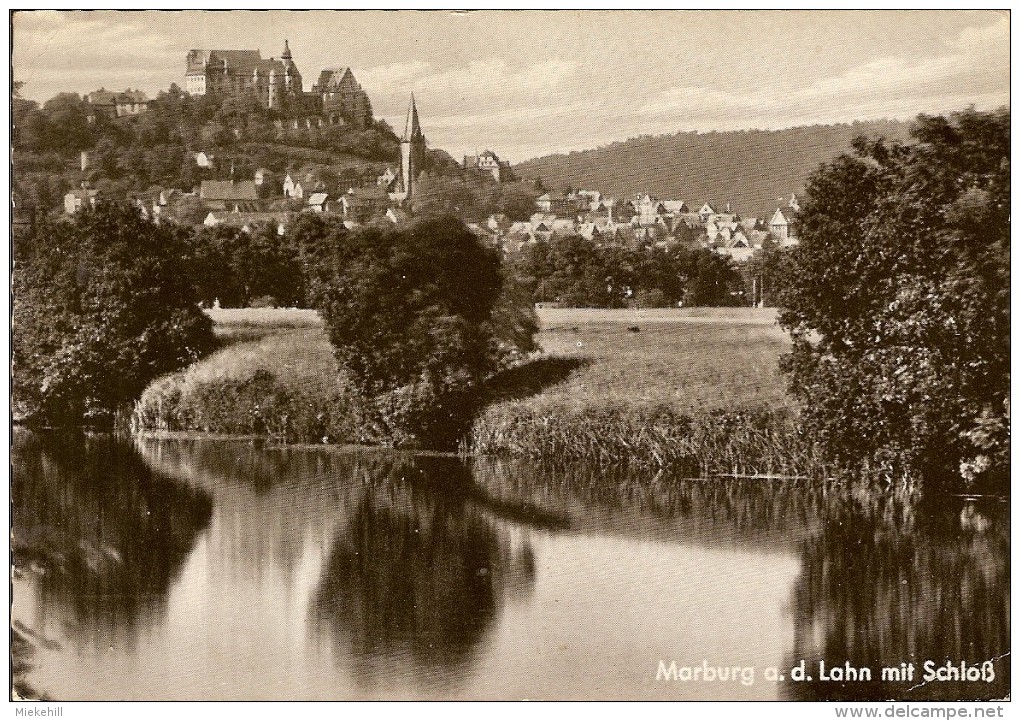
[[510, 355]]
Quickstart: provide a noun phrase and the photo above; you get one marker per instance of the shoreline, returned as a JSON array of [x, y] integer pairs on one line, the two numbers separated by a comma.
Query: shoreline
[[661, 386]]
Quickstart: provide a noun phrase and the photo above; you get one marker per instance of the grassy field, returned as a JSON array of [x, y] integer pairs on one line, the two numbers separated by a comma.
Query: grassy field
[[696, 359], [606, 384], [692, 360]]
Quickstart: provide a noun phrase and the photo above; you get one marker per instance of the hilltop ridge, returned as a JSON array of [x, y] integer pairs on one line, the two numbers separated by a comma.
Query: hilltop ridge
[[752, 169]]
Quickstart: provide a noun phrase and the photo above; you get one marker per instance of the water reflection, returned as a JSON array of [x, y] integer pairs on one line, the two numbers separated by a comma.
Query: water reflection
[[417, 577], [905, 580], [105, 536], [214, 569]]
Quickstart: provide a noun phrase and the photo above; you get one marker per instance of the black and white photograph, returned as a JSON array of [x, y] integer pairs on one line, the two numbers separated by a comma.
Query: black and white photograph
[[510, 355]]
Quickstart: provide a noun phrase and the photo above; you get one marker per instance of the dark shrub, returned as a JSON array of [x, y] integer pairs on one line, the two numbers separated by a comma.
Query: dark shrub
[[101, 308], [899, 305], [410, 313]]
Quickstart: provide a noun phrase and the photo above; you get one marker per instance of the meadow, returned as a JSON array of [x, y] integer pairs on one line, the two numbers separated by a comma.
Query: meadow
[[697, 390]]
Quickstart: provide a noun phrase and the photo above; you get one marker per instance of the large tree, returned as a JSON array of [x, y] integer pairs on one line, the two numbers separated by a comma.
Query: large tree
[[899, 301], [101, 307], [410, 315]]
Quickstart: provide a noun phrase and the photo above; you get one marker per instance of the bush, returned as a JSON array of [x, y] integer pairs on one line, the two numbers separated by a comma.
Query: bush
[[264, 301], [410, 315], [899, 308], [100, 309], [652, 298]]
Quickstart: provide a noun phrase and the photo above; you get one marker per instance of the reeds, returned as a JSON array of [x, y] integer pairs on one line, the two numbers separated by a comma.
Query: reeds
[[746, 442]]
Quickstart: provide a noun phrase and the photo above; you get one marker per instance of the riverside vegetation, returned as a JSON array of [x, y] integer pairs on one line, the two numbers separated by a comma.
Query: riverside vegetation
[[694, 391], [898, 360]]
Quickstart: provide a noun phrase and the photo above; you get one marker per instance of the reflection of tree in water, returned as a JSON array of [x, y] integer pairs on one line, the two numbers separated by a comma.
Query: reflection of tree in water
[[418, 575], [269, 501], [891, 580], [717, 511], [103, 533]]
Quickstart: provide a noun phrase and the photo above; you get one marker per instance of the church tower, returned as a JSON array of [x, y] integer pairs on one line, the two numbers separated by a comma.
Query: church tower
[[412, 151]]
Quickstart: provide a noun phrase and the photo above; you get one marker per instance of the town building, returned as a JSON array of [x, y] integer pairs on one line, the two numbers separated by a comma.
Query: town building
[[783, 225], [204, 159], [78, 198], [412, 156], [292, 188], [342, 98], [247, 222], [488, 163], [234, 195], [117, 105]]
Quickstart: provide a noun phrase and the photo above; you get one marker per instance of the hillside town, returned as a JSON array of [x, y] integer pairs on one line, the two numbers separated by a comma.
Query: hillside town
[[647, 221], [360, 194]]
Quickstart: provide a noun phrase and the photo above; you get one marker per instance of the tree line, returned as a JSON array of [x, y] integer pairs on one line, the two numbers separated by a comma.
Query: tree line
[[152, 149], [897, 301]]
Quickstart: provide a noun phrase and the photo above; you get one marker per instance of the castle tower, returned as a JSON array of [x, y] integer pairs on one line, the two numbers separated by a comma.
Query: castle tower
[[412, 151]]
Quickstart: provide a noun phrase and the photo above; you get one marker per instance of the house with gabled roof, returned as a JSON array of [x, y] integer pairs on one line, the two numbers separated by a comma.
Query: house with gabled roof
[[343, 99], [705, 212], [292, 188], [247, 222], [317, 202], [674, 206], [362, 204], [229, 194], [263, 176], [387, 179], [117, 105], [488, 163], [204, 159], [80, 197], [564, 227], [783, 226]]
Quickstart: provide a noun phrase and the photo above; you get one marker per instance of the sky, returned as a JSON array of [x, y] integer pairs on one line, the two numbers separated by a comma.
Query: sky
[[530, 83]]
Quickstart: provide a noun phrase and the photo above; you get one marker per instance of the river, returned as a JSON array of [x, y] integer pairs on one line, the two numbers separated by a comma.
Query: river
[[212, 569]]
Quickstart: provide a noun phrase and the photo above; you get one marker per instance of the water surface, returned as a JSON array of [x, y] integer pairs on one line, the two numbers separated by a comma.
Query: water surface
[[201, 569]]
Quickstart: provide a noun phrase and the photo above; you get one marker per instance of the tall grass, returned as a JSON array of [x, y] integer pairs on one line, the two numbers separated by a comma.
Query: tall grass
[[285, 385], [697, 393], [739, 442]]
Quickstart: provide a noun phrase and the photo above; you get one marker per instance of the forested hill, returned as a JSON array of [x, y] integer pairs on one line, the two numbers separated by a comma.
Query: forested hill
[[750, 169]]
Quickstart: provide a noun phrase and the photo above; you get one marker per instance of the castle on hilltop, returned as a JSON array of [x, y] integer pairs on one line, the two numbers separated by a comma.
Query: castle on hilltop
[[277, 85]]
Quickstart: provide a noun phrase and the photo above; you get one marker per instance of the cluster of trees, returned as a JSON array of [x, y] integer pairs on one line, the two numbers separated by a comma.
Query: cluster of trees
[[898, 302], [471, 197], [135, 153], [577, 272], [100, 309], [236, 269], [105, 302], [411, 313]]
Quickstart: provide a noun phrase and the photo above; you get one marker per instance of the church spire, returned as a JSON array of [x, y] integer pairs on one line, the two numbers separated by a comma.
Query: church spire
[[412, 151], [286, 51], [412, 130]]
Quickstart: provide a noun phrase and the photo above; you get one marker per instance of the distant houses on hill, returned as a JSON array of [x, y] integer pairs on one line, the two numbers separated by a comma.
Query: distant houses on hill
[[645, 220], [362, 194]]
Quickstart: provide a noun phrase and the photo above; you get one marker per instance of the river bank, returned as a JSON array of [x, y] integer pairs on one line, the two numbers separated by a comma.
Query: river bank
[[696, 391]]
